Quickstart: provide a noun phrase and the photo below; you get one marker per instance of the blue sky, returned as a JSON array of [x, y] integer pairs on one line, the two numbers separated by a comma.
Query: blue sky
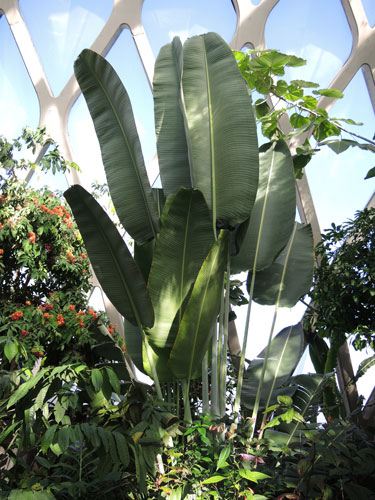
[[314, 29]]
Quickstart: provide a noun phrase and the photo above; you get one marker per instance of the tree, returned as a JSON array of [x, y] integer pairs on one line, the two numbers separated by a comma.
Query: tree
[[344, 289]]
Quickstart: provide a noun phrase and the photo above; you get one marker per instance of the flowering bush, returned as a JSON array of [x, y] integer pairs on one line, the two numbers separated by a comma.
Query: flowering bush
[[44, 280]]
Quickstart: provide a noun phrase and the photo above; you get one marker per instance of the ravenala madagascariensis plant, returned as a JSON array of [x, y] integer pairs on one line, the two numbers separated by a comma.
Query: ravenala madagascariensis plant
[[219, 208]]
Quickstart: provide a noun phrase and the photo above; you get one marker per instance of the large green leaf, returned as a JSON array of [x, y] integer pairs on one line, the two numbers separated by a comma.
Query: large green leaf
[[284, 355], [113, 264], [201, 312], [222, 130], [290, 276], [184, 242], [160, 357], [171, 139], [274, 210], [111, 111]]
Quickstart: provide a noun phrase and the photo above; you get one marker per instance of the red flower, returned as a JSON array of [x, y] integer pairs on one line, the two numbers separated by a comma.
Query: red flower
[[37, 352], [72, 307], [1, 251], [32, 237], [48, 307], [17, 315], [47, 316], [81, 323], [124, 348], [24, 333], [60, 320], [83, 256]]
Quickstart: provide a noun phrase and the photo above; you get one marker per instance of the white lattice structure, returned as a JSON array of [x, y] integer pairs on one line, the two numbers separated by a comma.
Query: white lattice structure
[[250, 31]]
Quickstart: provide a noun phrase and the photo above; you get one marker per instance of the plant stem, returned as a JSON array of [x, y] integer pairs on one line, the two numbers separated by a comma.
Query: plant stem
[[220, 348], [185, 394], [205, 396], [214, 384], [224, 370]]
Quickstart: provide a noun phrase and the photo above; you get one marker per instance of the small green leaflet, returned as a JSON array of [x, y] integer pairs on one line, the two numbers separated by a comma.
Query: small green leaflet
[[48, 438], [252, 475], [336, 94], [10, 350], [115, 383], [370, 173], [224, 454], [96, 379], [214, 479]]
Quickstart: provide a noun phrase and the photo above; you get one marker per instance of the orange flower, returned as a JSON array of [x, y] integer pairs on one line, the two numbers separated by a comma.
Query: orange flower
[[80, 313], [1, 251], [48, 307], [81, 323], [47, 316], [72, 307], [1, 226], [28, 303], [17, 315], [124, 348], [32, 237], [37, 352], [83, 256], [92, 313], [60, 320]]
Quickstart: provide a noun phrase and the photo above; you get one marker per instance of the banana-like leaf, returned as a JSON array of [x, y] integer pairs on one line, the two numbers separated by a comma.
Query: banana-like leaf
[[111, 260], [290, 276], [160, 357], [111, 111], [201, 312], [222, 131], [274, 210], [284, 355], [172, 146], [185, 240]]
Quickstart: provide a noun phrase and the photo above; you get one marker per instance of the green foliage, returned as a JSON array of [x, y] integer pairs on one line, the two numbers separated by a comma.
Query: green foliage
[[262, 71], [51, 160], [343, 292]]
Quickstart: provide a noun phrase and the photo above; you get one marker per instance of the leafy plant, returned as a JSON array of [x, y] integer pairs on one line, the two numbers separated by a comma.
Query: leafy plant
[[344, 288], [263, 71], [208, 155]]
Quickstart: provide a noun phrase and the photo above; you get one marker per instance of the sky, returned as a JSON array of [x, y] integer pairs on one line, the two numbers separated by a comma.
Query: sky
[[60, 29]]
